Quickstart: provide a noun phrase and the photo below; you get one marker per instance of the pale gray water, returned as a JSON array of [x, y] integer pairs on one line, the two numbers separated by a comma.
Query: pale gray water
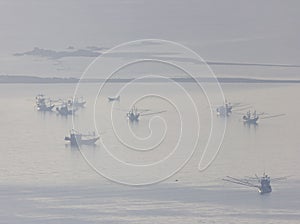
[[43, 180]]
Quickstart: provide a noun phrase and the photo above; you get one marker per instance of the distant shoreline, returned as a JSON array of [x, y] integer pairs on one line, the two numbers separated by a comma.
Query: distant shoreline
[[7, 79]]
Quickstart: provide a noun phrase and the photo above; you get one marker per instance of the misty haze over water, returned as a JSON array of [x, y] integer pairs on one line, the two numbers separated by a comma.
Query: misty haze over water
[[45, 180]]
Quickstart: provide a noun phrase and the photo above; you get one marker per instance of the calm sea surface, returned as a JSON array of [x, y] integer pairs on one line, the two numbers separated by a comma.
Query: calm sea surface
[[44, 180]]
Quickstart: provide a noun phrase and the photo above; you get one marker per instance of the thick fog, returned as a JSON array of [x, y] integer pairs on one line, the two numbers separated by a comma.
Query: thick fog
[[60, 38]]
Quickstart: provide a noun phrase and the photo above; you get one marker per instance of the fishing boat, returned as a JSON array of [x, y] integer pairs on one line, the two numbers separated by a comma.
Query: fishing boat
[[224, 110], [133, 114], [251, 118], [113, 98], [263, 183], [76, 102], [76, 138], [64, 110], [43, 103]]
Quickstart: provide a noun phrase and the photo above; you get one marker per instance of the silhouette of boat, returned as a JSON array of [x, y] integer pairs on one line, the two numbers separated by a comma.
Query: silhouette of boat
[[76, 138], [114, 98], [263, 183], [250, 118], [224, 110], [133, 114], [43, 104], [64, 110]]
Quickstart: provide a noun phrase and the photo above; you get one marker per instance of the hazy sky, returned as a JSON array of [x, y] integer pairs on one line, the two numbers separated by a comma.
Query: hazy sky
[[232, 30]]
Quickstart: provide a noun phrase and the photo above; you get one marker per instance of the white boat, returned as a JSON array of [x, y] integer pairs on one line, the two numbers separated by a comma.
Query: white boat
[[77, 102]]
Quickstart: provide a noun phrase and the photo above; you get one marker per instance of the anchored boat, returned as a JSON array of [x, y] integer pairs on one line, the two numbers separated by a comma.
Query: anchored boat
[[251, 118], [224, 110], [113, 98], [133, 114], [64, 110], [76, 102], [43, 103], [76, 138]]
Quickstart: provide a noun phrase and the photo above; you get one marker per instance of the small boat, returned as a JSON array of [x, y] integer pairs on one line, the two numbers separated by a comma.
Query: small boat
[[133, 115], [250, 118], [263, 183], [265, 186], [224, 110], [77, 138], [114, 98], [43, 104], [64, 110], [77, 102]]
